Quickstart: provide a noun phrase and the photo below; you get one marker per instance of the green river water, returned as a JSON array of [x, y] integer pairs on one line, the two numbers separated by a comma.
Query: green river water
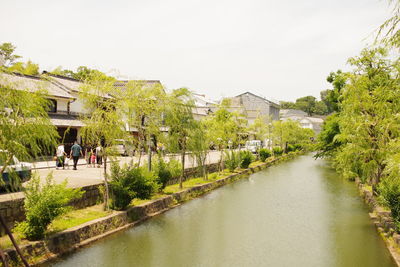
[[296, 213]]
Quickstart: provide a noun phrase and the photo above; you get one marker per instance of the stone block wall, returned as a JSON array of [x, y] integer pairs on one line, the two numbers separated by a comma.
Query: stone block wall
[[12, 210]]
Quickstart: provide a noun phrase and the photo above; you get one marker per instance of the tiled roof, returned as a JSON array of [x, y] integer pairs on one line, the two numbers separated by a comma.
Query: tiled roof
[[33, 84]]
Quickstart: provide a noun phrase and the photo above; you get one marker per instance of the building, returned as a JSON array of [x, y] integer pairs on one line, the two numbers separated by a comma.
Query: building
[[253, 106], [314, 123], [65, 107], [203, 106]]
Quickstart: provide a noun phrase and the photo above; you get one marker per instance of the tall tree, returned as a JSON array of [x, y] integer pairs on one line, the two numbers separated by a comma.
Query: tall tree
[[306, 104], [7, 53], [179, 119], [104, 124]]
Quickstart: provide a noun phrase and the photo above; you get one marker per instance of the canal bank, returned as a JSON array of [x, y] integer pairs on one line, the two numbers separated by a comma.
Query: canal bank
[[297, 213], [82, 235]]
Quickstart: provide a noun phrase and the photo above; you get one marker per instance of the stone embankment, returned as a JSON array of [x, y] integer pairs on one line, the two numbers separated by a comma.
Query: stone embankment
[[382, 219], [79, 236]]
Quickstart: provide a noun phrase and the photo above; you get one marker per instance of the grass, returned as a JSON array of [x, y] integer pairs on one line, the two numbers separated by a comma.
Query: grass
[[5, 241], [77, 217]]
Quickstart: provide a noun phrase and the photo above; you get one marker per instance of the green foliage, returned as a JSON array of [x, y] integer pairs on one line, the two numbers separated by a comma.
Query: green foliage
[[128, 183], [198, 144], [328, 143], [175, 167], [232, 160], [290, 148], [264, 154], [43, 203], [7, 52], [246, 157], [28, 68], [277, 151], [290, 132], [389, 195], [162, 171], [25, 127]]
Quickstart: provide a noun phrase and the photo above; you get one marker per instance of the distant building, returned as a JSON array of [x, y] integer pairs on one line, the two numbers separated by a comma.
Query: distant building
[[253, 106], [314, 123], [203, 106]]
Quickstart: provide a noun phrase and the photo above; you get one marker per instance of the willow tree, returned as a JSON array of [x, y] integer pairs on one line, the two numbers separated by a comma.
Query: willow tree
[[199, 145], [103, 121], [225, 128], [290, 132], [369, 121], [390, 29], [143, 105], [180, 122], [25, 128]]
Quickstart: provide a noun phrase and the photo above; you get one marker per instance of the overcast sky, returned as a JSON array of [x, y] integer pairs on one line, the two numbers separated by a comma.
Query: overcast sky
[[280, 49]]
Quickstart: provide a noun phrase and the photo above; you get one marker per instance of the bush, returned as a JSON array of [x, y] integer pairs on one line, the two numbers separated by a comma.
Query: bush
[[128, 183], [264, 154], [297, 147], [277, 151], [175, 167], [246, 157], [290, 148], [163, 173], [389, 195], [43, 203], [232, 160], [213, 176]]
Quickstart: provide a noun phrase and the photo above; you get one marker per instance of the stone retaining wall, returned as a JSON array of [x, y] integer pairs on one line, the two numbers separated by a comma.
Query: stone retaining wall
[[383, 221], [13, 210]]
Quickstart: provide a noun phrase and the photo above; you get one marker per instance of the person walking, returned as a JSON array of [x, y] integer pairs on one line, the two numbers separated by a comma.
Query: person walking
[[99, 155], [60, 156], [76, 150]]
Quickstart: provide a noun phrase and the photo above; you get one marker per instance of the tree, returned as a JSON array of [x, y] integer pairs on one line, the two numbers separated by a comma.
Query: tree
[[290, 132], [287, 105], [390, 28], [224, 128], [368, 128], [7, 52], [143, 107], [199, 145], [320, 108], [306, 104], [25, 129], [260, 127], [28, 68], [104, 125], [179, 120]]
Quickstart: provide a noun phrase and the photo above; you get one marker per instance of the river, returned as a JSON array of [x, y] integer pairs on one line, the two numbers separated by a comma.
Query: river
[[296, 213]]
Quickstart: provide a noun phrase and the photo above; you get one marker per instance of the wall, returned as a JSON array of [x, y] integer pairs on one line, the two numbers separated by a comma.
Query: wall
[[13, 211]]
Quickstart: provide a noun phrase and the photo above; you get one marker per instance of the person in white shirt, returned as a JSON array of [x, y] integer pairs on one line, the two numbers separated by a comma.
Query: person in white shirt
[[60, 156]]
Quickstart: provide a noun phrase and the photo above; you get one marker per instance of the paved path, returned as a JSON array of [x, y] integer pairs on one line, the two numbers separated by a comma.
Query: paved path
[[86, 175]]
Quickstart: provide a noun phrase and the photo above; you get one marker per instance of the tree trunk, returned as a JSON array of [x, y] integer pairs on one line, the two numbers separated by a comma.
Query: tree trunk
[[183, 169], [149, 153], [106, 193], [3, 223]]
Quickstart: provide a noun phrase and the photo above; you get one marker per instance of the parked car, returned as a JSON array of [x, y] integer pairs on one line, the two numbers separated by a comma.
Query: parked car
[[22, 169], [253, 145], [123, 147]]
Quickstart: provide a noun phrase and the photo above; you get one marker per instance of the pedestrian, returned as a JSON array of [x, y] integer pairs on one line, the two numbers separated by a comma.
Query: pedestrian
[[76, 150], [60, 156], [93, 160], [99, 155]]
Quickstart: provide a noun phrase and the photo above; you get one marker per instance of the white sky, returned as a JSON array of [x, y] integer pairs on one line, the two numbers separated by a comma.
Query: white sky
[[281, 49]]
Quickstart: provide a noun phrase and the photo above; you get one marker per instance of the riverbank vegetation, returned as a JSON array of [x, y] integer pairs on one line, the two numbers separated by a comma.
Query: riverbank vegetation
[[362, 135]]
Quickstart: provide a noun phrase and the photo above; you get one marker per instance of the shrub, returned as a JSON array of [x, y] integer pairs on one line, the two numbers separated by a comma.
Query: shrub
[[290, 148], [43, 203], [389, 195], [297, 147], [232, 160], [213, 176], [264, 154], [175, 167], [128, 183], [163, 173], [246, 158], [277, 151]]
